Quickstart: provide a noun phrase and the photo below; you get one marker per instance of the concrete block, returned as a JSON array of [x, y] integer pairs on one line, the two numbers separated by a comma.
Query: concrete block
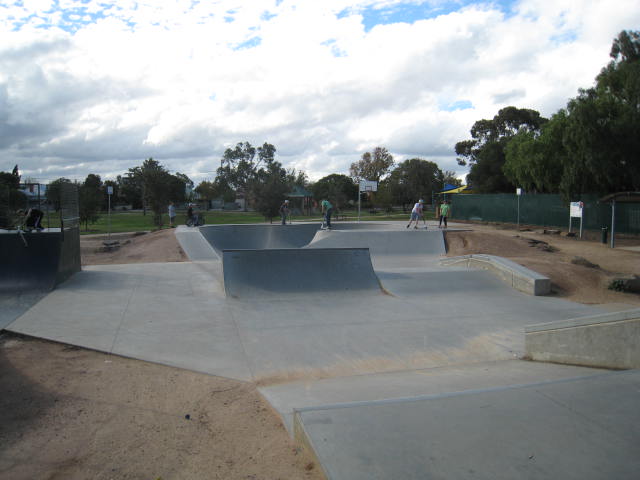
[[517, 276], [610, 340]]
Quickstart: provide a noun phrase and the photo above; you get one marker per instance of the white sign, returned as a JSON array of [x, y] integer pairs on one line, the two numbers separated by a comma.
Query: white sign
[[518, 191], [575, 209], [109, 190], [368, 186]]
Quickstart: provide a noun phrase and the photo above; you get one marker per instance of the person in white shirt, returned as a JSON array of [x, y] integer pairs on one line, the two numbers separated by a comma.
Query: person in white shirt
[[417, 213]]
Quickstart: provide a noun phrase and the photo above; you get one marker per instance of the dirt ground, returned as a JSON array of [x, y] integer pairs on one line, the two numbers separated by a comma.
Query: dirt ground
[[553, 255], [70, 413]]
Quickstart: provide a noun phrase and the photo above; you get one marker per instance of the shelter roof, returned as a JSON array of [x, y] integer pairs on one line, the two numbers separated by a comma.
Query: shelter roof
[[627, 197], [464, 188]]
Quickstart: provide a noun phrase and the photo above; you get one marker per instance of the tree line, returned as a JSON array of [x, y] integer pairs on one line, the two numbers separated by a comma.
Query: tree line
[[590, 146]]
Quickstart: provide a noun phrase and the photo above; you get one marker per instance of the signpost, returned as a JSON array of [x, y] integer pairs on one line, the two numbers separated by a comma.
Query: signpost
[[575, 211], [518, 193], [365, 186], [109, 193]]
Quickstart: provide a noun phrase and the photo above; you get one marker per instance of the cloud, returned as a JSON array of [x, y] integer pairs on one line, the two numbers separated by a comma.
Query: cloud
[[98, 87]]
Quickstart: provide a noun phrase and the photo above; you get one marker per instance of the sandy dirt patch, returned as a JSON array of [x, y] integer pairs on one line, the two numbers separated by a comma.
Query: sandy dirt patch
[[70, 413]]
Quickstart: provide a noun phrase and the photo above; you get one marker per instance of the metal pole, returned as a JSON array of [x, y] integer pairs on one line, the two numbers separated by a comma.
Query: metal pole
[[518, 212], [109, 217], [359, 198], [581, 215], [613, 223]]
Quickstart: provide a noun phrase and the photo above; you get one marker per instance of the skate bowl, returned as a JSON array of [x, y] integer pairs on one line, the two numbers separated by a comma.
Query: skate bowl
[[273, 273], [261, 237]]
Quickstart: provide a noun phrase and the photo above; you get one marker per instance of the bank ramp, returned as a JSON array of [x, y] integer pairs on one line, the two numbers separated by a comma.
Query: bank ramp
[[389, 248], [32, 264], [273, 273]]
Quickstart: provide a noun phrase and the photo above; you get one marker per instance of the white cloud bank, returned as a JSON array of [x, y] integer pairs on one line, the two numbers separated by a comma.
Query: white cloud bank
[[97, 88]]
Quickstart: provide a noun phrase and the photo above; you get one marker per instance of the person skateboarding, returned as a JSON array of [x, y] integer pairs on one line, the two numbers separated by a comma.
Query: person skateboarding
[[417, 214], [33, 220]]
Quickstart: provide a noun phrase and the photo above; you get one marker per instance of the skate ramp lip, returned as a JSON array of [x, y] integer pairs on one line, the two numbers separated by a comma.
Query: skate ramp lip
[[283, 273]]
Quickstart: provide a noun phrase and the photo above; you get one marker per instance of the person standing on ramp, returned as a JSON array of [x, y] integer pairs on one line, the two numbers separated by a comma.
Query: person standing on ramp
[[327, 210], [445, 209], [417, 214]]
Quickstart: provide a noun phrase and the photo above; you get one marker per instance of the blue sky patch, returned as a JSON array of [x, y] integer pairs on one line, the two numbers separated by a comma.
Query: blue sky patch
[[411, 12], [457, 105], [251, 43]]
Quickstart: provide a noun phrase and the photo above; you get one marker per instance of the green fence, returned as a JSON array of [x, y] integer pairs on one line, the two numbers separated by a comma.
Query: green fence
[[544, 210]]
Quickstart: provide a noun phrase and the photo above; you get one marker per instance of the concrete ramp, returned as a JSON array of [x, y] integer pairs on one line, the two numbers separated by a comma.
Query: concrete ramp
[[258, 237], [278, 273], [403, 248], [31, 265], [38, 261]]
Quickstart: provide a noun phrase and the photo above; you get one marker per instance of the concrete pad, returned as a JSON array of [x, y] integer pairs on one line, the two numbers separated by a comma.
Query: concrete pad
[[586, 428], [285, 398], [169, 313]]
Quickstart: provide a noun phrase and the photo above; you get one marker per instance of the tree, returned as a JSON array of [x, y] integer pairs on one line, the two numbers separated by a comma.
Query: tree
[[90, 195], [592, 146], [372, 166], [268, 188], [339, 189], [54, 192], [11, 198], [485, 153], [536, 162], [239, 166], [603, 130], [414, 179], [450, 178]]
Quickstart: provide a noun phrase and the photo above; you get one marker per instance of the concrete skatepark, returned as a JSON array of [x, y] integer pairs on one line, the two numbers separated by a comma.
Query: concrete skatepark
[[382, 361]]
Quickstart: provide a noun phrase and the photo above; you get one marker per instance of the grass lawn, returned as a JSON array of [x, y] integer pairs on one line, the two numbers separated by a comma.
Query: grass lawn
[[135, 221]]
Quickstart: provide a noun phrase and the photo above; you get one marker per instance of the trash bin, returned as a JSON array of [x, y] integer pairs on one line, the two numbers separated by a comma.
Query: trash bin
[[605, 231]]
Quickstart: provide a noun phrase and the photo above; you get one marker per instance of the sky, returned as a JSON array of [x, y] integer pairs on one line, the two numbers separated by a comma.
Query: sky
[[94, 86]]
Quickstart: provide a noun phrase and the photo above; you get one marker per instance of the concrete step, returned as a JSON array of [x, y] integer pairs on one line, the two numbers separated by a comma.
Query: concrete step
[[285, 398]]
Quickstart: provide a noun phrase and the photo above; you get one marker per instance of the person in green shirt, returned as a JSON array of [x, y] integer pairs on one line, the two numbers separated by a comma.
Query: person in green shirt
[[445, 209], [327, 210]]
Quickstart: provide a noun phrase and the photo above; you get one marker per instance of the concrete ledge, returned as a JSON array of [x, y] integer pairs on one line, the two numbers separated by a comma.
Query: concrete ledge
[[519, 277], [610, 340]]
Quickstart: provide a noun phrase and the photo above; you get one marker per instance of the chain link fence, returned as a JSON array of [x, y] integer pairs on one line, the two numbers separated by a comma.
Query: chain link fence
[[60, 212], [544, 210]]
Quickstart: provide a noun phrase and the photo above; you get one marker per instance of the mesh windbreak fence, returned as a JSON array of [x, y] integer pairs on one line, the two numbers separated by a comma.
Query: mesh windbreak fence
[[544, 210], [69, 206]]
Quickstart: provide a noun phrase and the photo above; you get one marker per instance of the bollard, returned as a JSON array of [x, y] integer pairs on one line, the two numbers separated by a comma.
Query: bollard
[[605, 231]]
